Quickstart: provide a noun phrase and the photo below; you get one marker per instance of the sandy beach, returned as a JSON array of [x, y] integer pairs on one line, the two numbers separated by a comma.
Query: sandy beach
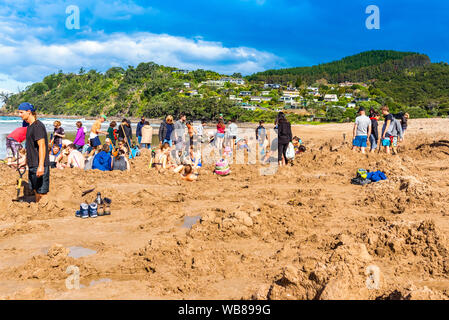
[[302, 233]]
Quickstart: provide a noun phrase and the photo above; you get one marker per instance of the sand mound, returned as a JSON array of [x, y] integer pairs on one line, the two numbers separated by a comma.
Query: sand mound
[[50, 267]]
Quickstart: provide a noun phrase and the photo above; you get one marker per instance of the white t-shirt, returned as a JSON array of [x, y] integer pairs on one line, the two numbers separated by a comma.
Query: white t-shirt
[[363, 123]]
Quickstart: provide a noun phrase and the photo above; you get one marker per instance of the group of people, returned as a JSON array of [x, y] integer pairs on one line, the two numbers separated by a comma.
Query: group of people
[[178, 143], [366, 130]]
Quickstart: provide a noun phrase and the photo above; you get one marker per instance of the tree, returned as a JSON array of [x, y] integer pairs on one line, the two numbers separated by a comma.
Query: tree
[[4, 96]]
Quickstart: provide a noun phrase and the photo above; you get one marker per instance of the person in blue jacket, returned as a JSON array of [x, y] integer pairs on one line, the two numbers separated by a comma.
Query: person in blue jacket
[[103, 160]]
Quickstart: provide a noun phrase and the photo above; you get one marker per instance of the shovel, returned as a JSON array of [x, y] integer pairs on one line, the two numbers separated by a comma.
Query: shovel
[[21, 171]]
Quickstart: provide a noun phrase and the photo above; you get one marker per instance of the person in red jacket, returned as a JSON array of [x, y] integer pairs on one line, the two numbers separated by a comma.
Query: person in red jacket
[[14, 141]]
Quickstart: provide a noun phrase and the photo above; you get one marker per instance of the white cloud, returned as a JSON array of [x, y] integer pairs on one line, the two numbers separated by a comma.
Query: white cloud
[[8, 84], [31, 59], [30, 46]]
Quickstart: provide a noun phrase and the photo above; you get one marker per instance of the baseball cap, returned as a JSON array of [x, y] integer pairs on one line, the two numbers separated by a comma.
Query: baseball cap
[[25, 106], [103, 116]]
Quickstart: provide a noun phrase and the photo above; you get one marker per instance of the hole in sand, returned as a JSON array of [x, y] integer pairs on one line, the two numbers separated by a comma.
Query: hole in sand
[[190, 221]]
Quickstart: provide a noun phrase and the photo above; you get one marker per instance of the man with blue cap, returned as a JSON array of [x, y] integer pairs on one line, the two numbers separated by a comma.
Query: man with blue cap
[[37, 157]]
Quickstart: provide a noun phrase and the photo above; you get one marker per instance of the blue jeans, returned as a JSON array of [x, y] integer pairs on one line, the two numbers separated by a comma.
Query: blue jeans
[[139, 138], [168, 141], [373, 142], [146, 145]]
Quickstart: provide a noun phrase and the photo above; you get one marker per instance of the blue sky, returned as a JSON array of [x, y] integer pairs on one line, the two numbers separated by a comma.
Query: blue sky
[[223, 35]]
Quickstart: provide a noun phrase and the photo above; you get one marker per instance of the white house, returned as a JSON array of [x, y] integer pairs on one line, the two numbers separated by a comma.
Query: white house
[[351, 105], [245, 93], [313, 89], [293, 94], [187, 84], [348, 95], [239, 82], [331, 98], [213, 83], [287, 99]]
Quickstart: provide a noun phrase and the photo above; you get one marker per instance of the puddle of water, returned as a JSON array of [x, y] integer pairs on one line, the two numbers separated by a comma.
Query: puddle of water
[[94, 282], [78, 252], [190, 221]]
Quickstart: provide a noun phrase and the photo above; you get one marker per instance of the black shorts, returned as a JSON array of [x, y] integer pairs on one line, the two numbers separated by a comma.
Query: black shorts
[[40, 185]]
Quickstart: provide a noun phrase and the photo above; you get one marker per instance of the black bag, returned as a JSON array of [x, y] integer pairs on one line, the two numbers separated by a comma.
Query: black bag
[[360, 181]]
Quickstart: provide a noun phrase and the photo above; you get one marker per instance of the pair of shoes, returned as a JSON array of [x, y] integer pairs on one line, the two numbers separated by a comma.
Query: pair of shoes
[[107, 206], [87, 211]]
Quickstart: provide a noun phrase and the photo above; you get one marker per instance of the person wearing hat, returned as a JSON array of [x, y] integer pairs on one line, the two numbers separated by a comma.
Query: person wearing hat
[[362, 131], [94, 140], [37, 158]]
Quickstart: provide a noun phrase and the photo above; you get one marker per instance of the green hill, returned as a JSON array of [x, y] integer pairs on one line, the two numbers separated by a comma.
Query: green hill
[[400, 79], [350, 68]]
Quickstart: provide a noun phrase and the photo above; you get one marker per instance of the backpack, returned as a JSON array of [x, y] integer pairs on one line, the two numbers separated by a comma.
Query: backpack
[[290, 153]]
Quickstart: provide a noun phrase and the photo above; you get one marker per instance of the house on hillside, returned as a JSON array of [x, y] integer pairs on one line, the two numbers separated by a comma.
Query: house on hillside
[[271, 86], [313, 89], [238, 81], [245, 93], [351, 105], [346, 84], [290, 93], [331, 98], [348, 95], [261, 99], [213, 83], [265, 93], [187, 85], [234, 98]]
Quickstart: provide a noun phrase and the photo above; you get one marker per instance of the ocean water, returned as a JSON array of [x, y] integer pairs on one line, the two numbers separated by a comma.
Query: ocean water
[[8, 124]]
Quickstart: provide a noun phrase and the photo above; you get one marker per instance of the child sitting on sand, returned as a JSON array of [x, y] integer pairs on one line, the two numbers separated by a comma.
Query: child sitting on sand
[[297, 144], [163, 159], [55, 157], [22, 159]]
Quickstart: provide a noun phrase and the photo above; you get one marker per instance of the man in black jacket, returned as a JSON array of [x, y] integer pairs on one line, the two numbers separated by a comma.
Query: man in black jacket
[[374, 137], [284, 137]]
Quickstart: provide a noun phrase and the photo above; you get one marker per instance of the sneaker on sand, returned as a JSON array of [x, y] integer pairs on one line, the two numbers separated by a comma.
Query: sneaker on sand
[[93, 210], [84, 208], [78, 214]]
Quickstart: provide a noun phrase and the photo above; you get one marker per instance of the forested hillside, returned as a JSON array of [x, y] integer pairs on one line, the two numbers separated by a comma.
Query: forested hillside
[[404, 80]]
